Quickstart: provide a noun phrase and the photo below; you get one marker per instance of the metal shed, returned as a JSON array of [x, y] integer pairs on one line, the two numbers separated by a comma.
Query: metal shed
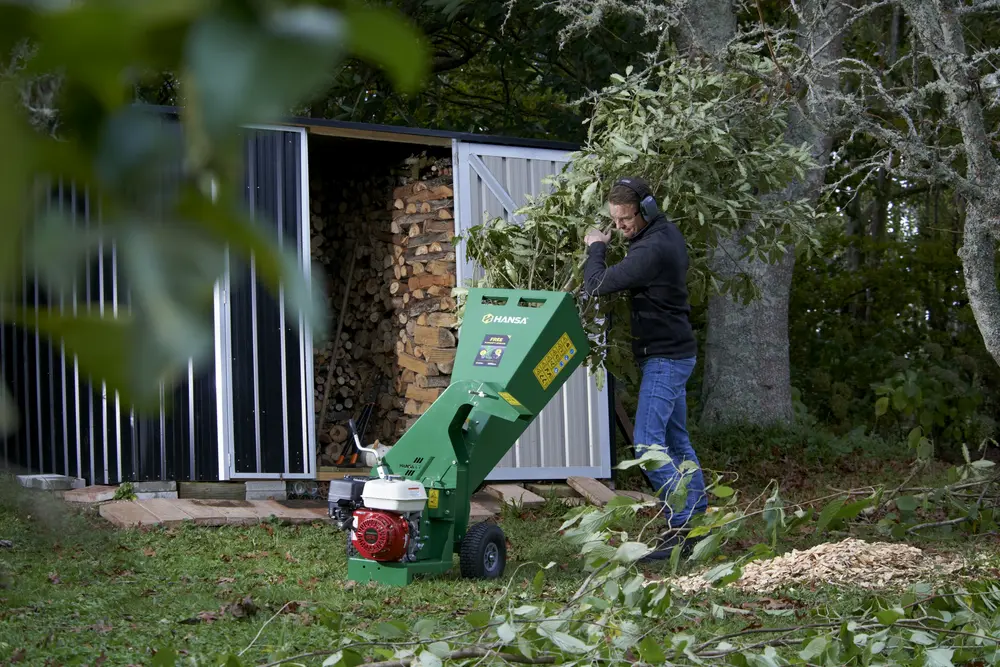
[[250, 416]]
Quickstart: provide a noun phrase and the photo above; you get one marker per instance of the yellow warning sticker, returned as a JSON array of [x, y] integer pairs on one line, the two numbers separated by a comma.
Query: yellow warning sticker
[[554, 361], [432, 499], [510, 399]]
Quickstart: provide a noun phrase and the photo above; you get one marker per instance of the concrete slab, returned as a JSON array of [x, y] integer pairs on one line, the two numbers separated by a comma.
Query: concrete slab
[[267, 485], [291, 513], [638, 495], [90, 494], [168, 512], [51, 482], [595, 492], [156, 495], [557, 490], [513, 494], [154, 487], [127, 514], [479, 513], [202, 515]]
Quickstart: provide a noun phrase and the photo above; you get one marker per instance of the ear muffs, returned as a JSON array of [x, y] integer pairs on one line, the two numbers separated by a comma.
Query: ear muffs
[[647, 202]]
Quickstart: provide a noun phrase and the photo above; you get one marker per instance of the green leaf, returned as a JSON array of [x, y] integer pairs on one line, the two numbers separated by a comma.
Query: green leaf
[[889, 616], [391, 629], [906, 503], [881, 406], [940, 657], [506, 632], [427, 659], [630, 552], [344, 658], [538, 582], [568, 643], [478, 619], [244, 71], [274, 267], [814, 648], [828, 514], [650, 651], [424, 628], [722, 491], [386, 39], [706, 547]]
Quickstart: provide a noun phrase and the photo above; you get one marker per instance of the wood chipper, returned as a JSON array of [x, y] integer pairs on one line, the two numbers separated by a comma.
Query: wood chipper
[[411, 514]]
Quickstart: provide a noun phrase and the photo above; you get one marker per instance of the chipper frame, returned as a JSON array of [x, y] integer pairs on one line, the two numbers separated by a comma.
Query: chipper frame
[[411, 515]]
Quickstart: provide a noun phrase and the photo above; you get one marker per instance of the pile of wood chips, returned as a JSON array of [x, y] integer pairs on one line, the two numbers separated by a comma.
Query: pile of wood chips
[[849, 563]]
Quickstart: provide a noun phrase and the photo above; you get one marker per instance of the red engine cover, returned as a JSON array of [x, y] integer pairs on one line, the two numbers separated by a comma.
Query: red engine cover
[[381, 536]]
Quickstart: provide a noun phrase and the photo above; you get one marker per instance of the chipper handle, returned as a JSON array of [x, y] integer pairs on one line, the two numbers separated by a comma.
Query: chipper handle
[[357, 441]]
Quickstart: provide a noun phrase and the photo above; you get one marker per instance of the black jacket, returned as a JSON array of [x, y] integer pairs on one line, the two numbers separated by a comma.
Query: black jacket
[[655, 273]]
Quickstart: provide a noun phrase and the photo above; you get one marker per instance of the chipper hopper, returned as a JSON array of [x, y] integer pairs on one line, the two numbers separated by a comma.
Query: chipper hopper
[[411, 514]]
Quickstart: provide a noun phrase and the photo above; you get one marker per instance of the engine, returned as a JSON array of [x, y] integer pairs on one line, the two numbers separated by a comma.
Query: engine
[[382, 516]]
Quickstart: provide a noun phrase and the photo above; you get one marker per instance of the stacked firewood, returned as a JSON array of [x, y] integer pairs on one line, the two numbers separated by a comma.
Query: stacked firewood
[[421, 275], [351, 220]]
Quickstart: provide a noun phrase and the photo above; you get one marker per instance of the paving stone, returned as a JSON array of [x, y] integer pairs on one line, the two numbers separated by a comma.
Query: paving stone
[[267, 485], [154, 495], [266, 495], [51, 482], [638, 495], [166, 511], [513, 494], [127, 514], [557, 490], [595, 492], [154, 487], [203, 515], [91, 494], [283, 512]]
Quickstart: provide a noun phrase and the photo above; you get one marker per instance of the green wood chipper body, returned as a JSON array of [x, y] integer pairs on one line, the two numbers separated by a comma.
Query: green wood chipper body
[[516, 349]]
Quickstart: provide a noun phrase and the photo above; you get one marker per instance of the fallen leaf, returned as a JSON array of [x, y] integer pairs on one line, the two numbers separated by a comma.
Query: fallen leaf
[[18, 656], [242, 608], [290, 558], [269, 528], [54, 578], [149, 551], [226, 580], [101, 659]]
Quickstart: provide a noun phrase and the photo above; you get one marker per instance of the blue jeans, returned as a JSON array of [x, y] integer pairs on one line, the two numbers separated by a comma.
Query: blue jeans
[[661, 419]]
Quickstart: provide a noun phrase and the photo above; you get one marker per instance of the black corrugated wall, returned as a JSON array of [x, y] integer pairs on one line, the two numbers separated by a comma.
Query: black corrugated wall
[[268, 356], [70, 427]]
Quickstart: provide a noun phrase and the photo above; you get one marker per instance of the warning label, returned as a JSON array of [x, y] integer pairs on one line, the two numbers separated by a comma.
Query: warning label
[[492, 349]]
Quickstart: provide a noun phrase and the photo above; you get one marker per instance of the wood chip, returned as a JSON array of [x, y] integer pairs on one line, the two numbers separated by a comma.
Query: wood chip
[[849, 563]]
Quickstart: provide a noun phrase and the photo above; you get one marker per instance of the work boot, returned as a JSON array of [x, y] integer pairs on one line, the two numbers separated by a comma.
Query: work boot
[[668, 540]]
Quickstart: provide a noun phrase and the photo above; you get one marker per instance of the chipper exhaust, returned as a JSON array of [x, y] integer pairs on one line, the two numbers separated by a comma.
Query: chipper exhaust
[[411, 515]]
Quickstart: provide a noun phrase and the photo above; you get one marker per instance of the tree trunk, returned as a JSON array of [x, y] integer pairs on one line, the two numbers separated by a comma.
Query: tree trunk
[[937, 24], [747, 371]]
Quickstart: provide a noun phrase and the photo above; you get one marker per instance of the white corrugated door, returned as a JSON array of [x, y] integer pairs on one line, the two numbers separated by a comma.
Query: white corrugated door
[[571, 435]]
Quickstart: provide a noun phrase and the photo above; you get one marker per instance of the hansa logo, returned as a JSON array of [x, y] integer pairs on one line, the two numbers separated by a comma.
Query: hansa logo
[[490, 318]]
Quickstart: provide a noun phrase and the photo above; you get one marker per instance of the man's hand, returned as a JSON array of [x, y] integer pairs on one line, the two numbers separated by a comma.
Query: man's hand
[[595, 236]]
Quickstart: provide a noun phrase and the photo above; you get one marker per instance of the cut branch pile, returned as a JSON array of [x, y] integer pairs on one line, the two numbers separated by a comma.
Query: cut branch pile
[[849, 563], [421, 270], [353, 217]]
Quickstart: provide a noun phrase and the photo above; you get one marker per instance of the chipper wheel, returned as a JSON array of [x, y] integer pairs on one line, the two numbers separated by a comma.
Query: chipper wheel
[[483, 552]]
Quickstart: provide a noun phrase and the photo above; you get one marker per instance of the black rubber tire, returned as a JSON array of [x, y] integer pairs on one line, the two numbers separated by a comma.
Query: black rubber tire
[[483, 554]]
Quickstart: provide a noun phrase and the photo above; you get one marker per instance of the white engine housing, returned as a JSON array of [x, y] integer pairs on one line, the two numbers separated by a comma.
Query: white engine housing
[[394, 495]]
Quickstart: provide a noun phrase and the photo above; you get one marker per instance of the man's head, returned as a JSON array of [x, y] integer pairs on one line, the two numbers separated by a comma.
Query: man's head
[[623, 203]]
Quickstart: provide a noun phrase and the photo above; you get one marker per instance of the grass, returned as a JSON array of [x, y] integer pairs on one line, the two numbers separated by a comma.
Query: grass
[[74, 591]]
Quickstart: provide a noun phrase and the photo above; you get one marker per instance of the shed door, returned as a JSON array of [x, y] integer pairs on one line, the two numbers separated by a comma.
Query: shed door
[[571, 436], [268, 366]]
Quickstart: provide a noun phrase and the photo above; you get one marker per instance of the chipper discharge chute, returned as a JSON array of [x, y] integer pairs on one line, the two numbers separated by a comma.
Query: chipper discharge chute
[[411, 515]]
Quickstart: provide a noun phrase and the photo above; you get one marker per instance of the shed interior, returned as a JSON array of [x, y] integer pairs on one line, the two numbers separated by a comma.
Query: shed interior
[[381, 223]]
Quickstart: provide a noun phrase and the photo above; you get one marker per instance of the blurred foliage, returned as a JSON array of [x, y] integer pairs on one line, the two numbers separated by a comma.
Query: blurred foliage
[[495, 68], [708, 154], [239, 62]]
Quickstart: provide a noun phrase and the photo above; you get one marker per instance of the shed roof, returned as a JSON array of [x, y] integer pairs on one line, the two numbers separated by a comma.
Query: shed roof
[[406, 134]]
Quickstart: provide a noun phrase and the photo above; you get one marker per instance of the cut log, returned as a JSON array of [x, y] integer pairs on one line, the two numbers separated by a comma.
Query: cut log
[[595, 492]]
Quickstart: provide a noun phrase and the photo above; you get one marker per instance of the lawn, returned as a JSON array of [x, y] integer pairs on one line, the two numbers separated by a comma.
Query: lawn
[[74, 591]]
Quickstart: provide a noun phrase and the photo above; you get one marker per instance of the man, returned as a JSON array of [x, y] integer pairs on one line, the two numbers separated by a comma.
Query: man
[[655, 273]]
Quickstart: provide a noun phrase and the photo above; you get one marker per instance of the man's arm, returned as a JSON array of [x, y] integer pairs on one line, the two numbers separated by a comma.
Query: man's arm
[[637, 270]]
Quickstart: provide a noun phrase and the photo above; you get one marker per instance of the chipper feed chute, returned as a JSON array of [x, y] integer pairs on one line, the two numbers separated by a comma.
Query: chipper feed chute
[[411, 516]]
